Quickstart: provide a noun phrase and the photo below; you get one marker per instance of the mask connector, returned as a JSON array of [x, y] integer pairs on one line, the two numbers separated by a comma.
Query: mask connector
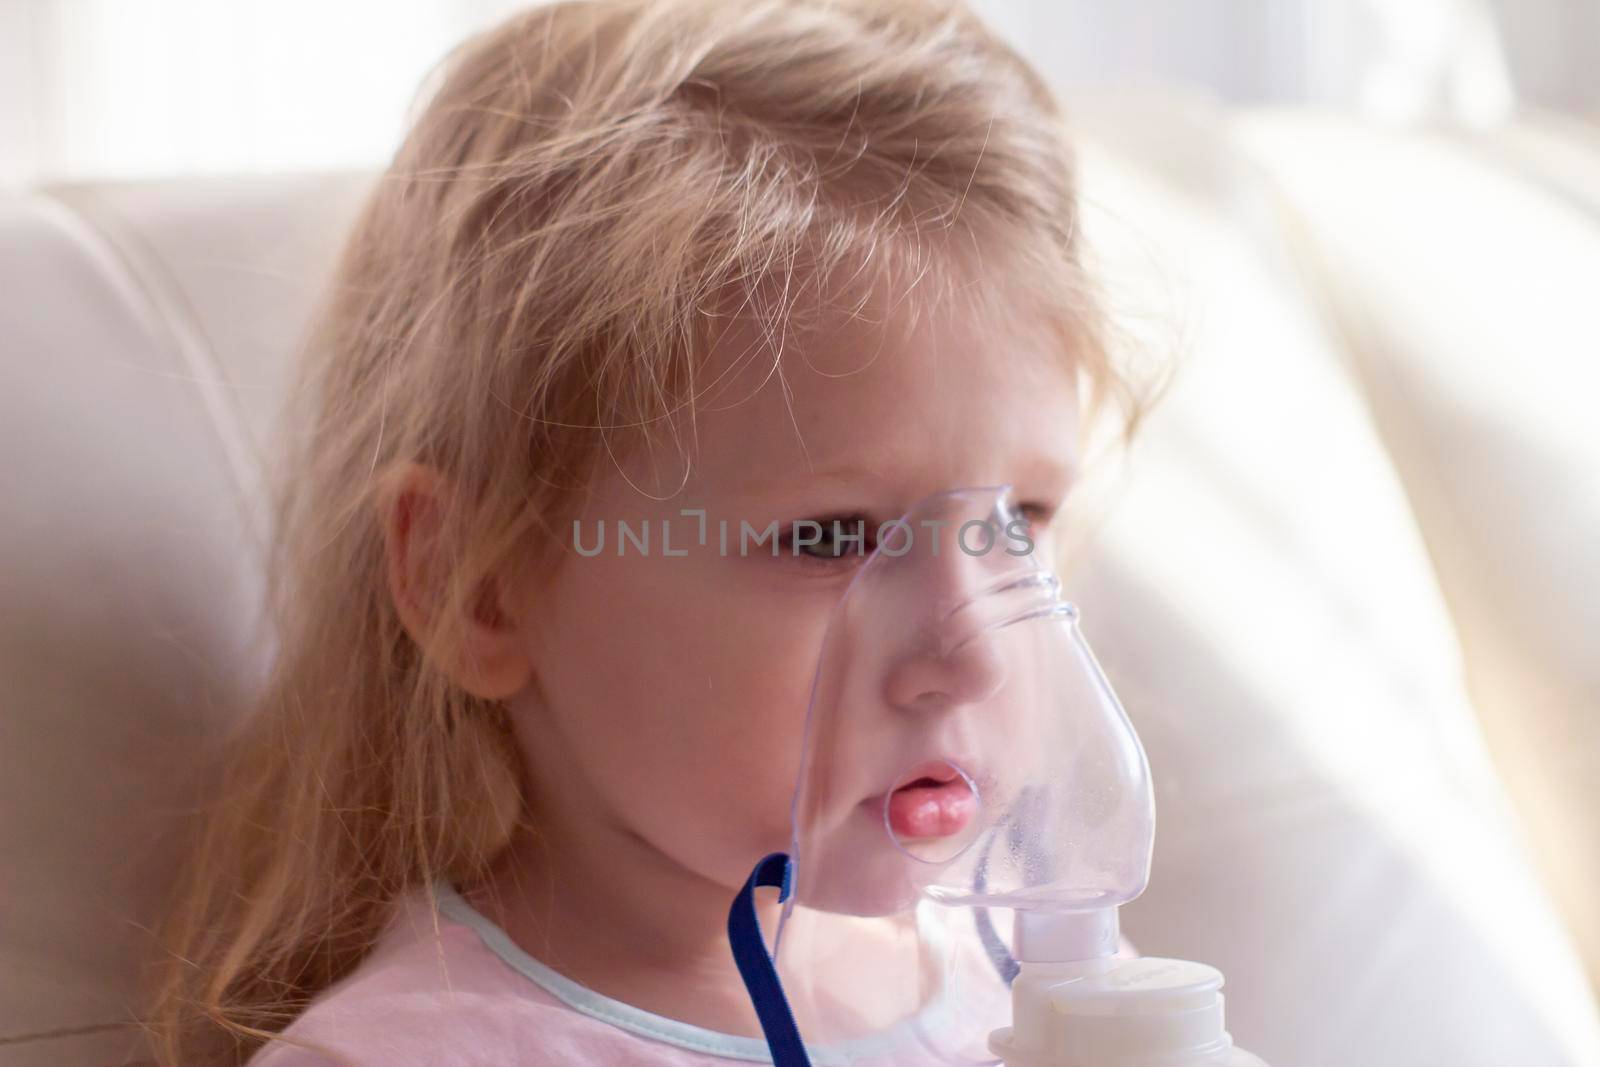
[[1045, 936]]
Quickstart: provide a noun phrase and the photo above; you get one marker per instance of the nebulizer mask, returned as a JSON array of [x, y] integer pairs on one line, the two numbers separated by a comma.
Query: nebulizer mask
[[973, 806]]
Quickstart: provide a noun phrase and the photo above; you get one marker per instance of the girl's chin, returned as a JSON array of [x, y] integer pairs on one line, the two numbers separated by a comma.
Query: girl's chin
[[850, 897], [862, 874]]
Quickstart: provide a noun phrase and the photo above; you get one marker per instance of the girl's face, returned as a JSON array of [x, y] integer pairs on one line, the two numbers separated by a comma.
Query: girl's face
[[670, 694]]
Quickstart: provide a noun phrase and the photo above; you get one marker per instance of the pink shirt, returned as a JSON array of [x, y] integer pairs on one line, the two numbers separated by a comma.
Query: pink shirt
[[462, 994]]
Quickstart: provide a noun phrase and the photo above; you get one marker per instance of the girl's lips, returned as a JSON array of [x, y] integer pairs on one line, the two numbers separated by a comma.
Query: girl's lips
[[939, 770], [933, 800]]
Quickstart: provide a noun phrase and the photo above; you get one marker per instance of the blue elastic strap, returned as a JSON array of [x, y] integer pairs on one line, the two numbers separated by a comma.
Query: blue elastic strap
[[755, 962]]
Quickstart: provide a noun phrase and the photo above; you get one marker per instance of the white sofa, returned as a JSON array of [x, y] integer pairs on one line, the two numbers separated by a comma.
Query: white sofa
[[1346, 583]]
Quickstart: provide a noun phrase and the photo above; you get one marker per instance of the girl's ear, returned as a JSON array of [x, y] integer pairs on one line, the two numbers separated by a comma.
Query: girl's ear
[[490, 658]]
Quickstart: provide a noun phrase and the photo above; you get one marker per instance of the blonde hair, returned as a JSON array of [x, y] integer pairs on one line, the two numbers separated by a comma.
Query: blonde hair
[[587, 182]]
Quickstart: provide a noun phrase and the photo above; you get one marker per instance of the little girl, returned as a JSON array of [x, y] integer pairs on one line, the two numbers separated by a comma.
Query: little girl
[[759, 260]]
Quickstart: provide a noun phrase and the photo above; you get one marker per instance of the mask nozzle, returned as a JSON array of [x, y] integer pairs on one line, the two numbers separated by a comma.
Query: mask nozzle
[[1046, 936]]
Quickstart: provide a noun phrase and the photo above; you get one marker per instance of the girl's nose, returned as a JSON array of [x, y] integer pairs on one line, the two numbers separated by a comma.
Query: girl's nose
[[952, 660], [926, 680]]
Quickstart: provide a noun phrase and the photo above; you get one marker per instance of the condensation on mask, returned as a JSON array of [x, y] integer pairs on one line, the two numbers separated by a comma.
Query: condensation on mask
[[971, 793]]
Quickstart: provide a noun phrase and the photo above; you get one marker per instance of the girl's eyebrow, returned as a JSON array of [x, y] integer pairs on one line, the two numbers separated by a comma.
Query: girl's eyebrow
[[1054, 472], [856, 481]]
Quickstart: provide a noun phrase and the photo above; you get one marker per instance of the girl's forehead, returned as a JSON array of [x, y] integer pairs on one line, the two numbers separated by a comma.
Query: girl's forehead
[[889, 336], [928, 400]]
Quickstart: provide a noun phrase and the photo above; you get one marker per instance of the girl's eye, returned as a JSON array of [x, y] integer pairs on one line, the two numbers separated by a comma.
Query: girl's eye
[[844, 540], [1037, 514], [838, 540]]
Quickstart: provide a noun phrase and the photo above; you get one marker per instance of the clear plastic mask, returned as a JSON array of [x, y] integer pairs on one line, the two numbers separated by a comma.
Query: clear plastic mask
[[970, 791]]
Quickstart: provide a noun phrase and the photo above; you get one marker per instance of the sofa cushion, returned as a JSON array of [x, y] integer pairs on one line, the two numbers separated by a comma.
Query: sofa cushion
[[1461, 270]]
